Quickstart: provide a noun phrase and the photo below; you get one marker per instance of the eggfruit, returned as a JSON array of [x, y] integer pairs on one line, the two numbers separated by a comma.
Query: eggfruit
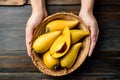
[[44, 41], [60, 25], [49, 61], [69, 59], [77, 35]]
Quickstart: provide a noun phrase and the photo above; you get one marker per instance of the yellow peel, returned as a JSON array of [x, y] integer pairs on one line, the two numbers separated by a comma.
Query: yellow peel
[[59, 42], [60, 25], [44, 41], [49, 61], [77, 35], [68, 60]]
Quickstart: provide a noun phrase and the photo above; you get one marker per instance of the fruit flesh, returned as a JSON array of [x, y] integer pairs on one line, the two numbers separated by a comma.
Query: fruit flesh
[[63, 41]]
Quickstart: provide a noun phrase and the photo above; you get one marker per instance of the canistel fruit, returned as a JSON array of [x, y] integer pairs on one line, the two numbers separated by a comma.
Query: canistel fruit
[[77, 34], [49, 61], [44, 41], [60, 25], [68, 60]]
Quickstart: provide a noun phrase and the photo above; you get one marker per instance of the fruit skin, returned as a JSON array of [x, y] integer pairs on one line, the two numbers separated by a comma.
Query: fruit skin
[[62, 41], [68, 60], [44, 41], [77, 35], [49, 61], [60, 25]]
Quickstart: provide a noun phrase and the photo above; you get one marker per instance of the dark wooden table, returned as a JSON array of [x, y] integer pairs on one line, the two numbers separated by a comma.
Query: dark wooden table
[[104, 64]]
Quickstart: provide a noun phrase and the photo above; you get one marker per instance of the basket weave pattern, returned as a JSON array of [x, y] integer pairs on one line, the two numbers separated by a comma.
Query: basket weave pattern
[[37, 60]]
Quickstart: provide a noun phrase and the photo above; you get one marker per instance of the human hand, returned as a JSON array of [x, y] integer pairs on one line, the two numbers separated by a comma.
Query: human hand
[[91, 22], [32, 23]]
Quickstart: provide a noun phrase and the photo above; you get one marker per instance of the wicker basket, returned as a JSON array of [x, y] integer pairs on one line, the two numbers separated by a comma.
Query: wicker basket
[[37, 60]]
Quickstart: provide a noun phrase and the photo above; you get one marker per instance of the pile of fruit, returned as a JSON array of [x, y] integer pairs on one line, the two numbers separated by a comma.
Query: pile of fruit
[[61, 43]]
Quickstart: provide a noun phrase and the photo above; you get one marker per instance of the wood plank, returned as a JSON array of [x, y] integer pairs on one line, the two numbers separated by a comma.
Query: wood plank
[[59, 2], [103, 64], [12, 27], [74, 2], [37, 76], [12, 2], [16, 61]]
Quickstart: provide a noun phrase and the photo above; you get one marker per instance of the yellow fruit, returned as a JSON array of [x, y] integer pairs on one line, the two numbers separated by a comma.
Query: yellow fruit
[[61, 45], [76, 35], [68, 60], [49, 61], [44, 41], [60, 25]]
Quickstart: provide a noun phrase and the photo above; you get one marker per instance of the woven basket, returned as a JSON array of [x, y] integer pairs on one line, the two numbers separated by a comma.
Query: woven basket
[[37, 59]]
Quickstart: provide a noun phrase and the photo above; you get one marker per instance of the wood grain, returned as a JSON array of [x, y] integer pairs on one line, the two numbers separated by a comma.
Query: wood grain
[[59, 2], [78, 2], [100, 65]]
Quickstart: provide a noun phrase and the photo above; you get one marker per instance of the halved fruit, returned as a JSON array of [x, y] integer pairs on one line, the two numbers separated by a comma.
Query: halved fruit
[[61, 45]]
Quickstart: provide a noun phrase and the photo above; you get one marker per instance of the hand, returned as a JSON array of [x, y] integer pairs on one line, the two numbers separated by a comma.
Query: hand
[[32, 23], [90, 21]]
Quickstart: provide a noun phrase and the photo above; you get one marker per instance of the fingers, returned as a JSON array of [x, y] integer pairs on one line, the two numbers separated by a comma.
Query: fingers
[[93, 43], [94, 36]]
